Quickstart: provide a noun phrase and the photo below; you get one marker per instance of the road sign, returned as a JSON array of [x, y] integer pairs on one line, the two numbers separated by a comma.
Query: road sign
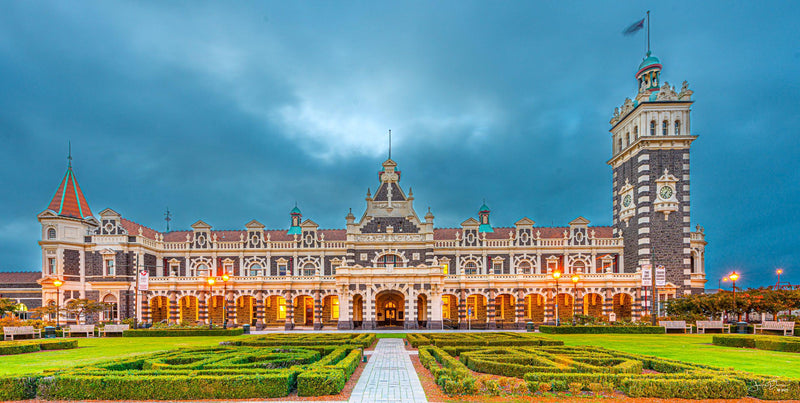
[[661, 276]]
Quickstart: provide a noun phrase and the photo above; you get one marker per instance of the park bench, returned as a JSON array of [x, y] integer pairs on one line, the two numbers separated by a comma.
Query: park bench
[[786, 327], [113, 329], [88, 330], [11, 331], [675, 325], [702, 325]]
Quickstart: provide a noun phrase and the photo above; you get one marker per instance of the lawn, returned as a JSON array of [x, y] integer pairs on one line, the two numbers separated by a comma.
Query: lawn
[[695, 349], [98, 349]]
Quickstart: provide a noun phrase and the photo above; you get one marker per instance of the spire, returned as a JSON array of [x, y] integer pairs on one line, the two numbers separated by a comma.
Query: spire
[[483, 218], [69, 200], [297, 216]]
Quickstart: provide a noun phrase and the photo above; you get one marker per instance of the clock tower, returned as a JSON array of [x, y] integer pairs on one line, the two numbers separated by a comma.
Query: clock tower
[[651, 140]]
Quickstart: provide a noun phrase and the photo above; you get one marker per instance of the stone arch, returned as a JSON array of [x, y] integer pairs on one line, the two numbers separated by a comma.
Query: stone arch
[[534, 307], [188, 309], [390, 308], [450, 310], [593, 304], [303, 310], [505, 308], [245, 309], [382, 258], [566, 307], [422, 310], [580, 263], [471, 262], [476, 308], [275, 311], [159, 309], [623, 305], [330, 310], [216, 309], [358, 310], [111, 307]]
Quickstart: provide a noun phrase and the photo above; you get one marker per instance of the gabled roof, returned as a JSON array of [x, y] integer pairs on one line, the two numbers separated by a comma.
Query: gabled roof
[[200, 225], [579, 221], [309, 224], [470, 222], [69, 200], [525, 221], [254, 224]]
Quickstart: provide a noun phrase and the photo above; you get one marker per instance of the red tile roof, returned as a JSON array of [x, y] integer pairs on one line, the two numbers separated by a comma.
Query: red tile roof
[[133, 229], [20, 277], [502, 232], [69, 200]]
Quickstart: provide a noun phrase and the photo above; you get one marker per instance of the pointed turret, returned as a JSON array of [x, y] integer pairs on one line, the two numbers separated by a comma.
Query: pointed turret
[[297, 216], [483, 215], [69, 200]]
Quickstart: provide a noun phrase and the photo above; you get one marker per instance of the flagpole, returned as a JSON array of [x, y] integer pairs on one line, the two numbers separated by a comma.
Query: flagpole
[[648, 31]]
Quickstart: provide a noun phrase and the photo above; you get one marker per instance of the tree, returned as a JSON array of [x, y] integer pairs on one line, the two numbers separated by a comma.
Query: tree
[[83, 307], [7, 306]]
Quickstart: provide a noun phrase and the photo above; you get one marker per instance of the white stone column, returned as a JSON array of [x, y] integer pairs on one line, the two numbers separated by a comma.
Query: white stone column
[[435, 321]]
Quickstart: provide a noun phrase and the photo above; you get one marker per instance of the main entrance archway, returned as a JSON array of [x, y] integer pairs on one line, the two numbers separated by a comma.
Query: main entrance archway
[[390, 308]]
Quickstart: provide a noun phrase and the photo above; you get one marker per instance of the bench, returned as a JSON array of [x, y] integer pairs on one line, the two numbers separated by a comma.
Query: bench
[[785, 327], [702, 325], [113, 329], [675, 324], [88, 330], [11, 331]]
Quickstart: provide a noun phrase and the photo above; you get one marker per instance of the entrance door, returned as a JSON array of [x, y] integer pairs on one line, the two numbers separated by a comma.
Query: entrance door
[[391, 314]]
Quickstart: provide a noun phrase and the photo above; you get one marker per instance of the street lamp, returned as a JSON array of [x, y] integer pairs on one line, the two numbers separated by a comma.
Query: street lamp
[[779, 272], [211, 282], [225, 278], [557, 275], [575, 279], [58, 283], [733, 276]]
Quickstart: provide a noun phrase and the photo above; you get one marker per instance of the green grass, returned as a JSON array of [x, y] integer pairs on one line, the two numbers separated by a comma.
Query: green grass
[[390, 335], [99, 349], [693, 348]]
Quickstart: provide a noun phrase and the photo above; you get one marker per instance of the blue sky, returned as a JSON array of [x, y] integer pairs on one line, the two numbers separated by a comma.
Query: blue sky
[[229, 114]]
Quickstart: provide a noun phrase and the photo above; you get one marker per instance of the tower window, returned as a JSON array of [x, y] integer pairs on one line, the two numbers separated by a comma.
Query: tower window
[[664, 126], [636, 132], [619, 144], [51, 233], [51, 265], [652, 127], [677, 127]]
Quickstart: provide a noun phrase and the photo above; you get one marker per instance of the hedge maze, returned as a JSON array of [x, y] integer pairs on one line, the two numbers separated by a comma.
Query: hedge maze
[[458, 368], [479, 339], [256, 367]]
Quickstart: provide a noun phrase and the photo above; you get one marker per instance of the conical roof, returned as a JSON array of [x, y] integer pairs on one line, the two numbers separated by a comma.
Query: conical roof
[[69, 200]]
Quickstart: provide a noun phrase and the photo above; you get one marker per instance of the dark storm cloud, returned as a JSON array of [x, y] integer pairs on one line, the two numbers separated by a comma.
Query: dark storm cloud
[[231, 114]]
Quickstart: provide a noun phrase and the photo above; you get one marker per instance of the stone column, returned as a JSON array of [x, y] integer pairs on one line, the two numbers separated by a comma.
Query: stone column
[[345, 311], [636, 310], [317, 310], [230, 308], [258, 309], [435, 310], [369, 308], [202, 307], [145, 304], [550, 306], [289, 324], [608, 303], [410, 313], [174, 309], [491, 310], [462, 310], [520, 309]]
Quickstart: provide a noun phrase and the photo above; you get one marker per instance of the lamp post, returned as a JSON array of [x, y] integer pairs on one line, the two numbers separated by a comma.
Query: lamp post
[[210, 282], [557, 275], [779, 272], [733, 276], [57, 284], [575, 279], [225, 278], [719, 282]]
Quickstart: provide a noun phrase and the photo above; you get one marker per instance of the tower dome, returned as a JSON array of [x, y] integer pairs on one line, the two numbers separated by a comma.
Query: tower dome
[[649, 73]]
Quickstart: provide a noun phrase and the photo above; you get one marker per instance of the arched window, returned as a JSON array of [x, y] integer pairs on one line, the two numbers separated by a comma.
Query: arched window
[[652, 127], [677, 127], [635, 132], [619, 144], [579, 266], [202, 271], [390, 261], [51, 233], [255, 270], [110, 309], [524, 267], [309, 269], [471, 268], [664, 127]]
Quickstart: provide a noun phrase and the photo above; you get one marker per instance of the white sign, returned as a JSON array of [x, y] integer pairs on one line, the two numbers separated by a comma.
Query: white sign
[[144, 277], [661, 276], [647, 275]]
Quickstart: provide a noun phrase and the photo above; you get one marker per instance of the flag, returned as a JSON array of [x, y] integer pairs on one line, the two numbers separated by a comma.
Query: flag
[[635, 27]]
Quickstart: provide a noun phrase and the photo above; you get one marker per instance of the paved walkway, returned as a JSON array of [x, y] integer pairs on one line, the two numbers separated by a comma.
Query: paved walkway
[[389, 376]]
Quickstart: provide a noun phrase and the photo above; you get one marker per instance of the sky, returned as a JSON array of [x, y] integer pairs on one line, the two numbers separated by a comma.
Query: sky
[[229, 114]]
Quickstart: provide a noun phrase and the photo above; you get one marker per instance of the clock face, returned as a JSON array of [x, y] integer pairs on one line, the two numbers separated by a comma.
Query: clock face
[[666, 192], [626, 201]]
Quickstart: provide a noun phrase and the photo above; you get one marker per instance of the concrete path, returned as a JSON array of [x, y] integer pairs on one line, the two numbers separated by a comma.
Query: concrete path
[[389, 376]]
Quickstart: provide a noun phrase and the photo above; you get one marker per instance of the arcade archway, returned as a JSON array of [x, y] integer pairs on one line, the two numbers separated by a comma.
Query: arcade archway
[[390, 308]]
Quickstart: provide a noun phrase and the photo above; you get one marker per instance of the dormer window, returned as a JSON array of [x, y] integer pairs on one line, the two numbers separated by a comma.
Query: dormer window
[[51, 233]]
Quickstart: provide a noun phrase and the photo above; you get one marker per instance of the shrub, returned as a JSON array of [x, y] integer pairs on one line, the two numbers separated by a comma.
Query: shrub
[[180, 332], [320, 382], [772, 343], [29, 346], [638, 329], [713, 388], [18, 387]]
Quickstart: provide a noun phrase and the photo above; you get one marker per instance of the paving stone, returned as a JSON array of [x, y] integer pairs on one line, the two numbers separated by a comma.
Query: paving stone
[[389, 376]]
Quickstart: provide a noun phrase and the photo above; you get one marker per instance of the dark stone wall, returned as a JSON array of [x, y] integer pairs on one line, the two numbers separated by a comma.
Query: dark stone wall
[[378, 225], [150, 262], [72, 263]]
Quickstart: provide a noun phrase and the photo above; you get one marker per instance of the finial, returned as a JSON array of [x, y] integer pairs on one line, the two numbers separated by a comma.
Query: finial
[[167, 218], [69, 156]]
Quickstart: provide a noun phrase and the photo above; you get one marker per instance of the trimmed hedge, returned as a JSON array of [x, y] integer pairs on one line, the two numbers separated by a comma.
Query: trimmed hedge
[[180, 332], [18, 387], [363, 340], [772, 343], [687, 388], [601, 329], [479, 339], [30, 346]]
